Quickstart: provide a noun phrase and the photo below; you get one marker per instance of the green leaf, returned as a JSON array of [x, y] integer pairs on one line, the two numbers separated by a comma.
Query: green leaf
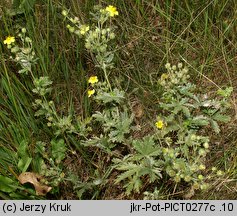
[[199, 121], [221, 118], [132, 169], [58, 148], [114, 96], [225, 92], [24, 163], [99, 116], [215, 126], [109, 59], [23, 149], [146, 147], [186, 111], [6, 184]]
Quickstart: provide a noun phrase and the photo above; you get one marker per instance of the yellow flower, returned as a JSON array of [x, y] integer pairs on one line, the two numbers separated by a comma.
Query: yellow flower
[[84, 29], [9, 40], [93, 79], [159, 124], [91, 92], [111, 10]]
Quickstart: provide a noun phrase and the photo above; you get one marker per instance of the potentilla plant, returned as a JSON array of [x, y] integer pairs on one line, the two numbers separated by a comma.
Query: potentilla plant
[[180, 145], [46, 161], [24, 55], [181, 142], [183, 126], [22, 51], [97, 36]]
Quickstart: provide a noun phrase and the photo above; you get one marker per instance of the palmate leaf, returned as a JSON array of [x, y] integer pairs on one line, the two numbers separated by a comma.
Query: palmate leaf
[[135, 167], [153, 174], [186, 111], [99, 116], [131, 169], [116, 124], [115, 95], [146, 146], [122, 126], [134, 184], [100, 142], [58, 149], [133, 174]]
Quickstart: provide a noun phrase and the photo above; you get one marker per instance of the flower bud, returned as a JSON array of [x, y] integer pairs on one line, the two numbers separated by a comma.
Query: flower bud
[[64, 13], [206, 145], [180, 65], [23, 30]]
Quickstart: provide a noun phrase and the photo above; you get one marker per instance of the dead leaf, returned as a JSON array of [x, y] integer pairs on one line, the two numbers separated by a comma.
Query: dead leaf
[[33, 178]]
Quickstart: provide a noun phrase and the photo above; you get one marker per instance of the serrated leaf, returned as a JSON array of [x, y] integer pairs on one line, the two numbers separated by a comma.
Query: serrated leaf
[[98, 116], [58, 149], [221, 118], [186, 111], [215, 126], [137, 185], [114, 96], [128, 174], [199, 121], [146, 147]]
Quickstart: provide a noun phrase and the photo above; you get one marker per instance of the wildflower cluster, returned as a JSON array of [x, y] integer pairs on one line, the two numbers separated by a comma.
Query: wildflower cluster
[[185, 116], [92, 81], [48, 160], [76, 26], [175, 75], [175, 149], [23, 54], [47, 108], [97, 37]]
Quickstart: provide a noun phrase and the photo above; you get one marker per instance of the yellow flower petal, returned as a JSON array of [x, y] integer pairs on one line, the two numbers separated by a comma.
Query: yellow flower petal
[[159, 124], [9, 40], [93, 79], [91, 92], [112, 10]]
